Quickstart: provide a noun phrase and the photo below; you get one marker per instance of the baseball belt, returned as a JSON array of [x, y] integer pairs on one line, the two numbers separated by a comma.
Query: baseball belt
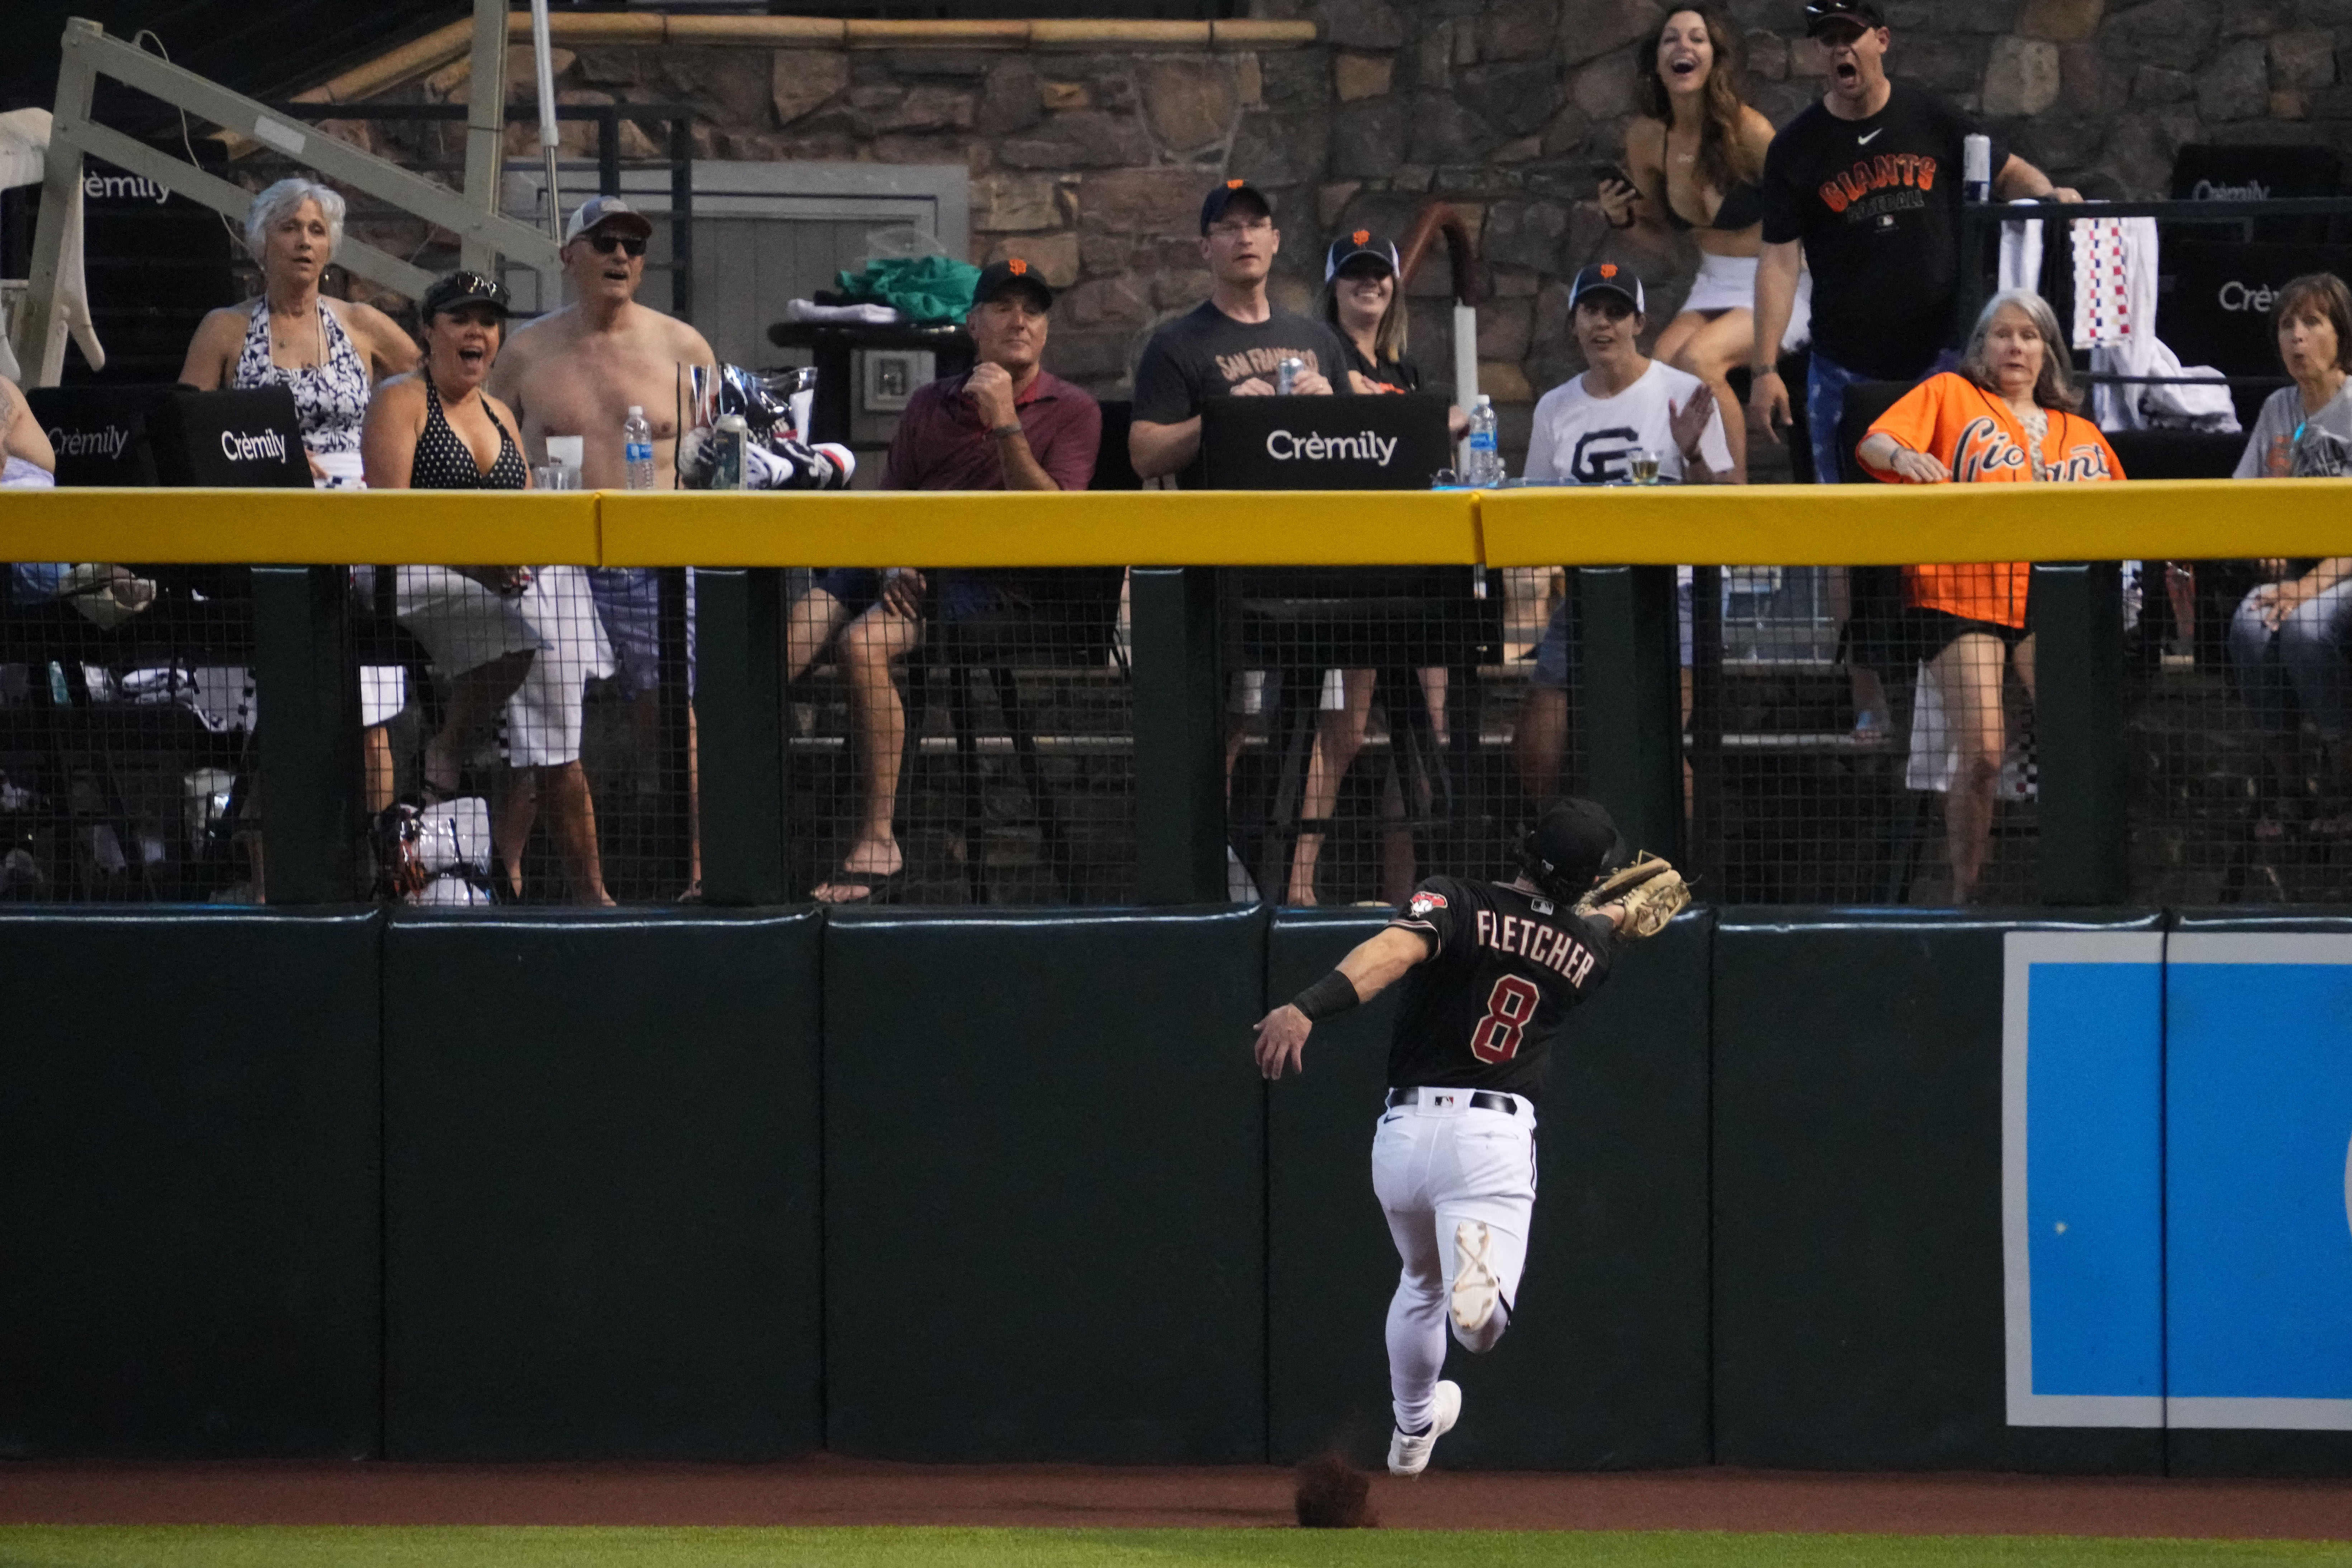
[[1480, 1100]]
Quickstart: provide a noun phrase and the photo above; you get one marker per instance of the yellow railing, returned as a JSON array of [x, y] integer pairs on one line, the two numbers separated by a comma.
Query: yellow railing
[[1783, 525]]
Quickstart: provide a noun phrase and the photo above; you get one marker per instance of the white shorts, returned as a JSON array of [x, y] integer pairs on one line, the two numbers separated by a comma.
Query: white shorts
[[1729, 283], [1440, 1161], [462, 624], [384, 692], [544, 716]]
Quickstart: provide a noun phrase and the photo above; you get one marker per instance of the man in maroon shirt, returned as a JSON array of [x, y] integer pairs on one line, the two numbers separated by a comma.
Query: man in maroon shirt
[[1007, 426]]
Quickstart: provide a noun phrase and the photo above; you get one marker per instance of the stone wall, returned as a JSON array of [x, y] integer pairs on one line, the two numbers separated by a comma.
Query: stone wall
[[1092, 164]]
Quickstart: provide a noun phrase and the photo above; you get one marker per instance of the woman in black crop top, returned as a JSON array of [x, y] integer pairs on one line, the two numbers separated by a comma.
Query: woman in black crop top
[[437, 429], [1694, 153]]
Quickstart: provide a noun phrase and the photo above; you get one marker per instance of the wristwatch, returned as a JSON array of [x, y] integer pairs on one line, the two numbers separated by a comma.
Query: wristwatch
[[1002, 431]]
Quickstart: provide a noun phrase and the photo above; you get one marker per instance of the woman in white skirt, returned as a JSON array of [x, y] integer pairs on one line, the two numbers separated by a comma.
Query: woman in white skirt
[[1694, 156]]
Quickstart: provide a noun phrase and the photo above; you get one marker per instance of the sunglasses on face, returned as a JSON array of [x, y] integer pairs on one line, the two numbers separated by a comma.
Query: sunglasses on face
[[627, 244], [470, 288]]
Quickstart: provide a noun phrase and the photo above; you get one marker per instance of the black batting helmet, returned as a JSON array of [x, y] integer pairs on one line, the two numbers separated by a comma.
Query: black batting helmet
[[1573, 842]]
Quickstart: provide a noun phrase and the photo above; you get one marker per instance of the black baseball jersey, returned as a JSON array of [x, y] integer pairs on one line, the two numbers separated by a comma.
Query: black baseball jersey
[[1505, 967]]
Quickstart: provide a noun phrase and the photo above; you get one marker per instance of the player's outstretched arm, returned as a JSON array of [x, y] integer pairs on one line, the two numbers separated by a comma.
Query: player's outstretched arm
[[1374, 966]]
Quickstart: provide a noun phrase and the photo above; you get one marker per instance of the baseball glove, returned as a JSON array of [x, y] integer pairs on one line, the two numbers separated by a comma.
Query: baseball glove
[[1651, 891]]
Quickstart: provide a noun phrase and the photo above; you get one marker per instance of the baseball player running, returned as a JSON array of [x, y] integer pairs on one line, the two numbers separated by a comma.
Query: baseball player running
[[1490, 971]]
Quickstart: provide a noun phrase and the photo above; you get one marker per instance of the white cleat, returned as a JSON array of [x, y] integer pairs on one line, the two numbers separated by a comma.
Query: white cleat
[[1476, 1288], [1409, 1452]]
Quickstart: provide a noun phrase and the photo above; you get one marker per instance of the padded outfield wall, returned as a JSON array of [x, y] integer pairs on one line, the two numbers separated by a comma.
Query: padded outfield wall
[[1867, 1191]]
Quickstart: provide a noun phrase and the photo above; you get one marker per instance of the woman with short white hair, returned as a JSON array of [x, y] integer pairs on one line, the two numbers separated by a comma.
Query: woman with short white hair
[[329, 353]]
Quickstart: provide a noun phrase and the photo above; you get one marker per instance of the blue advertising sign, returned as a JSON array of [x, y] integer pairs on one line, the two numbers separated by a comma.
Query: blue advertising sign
[[2177, 1179]]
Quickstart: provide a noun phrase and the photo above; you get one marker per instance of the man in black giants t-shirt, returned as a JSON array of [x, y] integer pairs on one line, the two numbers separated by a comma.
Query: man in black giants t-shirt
[[1490, 971], [1867, 181], [1230, 345]]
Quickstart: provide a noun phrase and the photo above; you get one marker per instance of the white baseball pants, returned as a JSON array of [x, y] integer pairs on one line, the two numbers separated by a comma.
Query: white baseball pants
[[1436, 1165]]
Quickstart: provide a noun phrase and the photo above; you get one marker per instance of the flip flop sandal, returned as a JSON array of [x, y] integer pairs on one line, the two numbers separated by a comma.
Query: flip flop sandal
[[880, 887]]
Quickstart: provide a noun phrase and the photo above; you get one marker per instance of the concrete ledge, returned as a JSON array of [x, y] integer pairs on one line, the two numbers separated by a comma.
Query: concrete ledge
[[443, 44]]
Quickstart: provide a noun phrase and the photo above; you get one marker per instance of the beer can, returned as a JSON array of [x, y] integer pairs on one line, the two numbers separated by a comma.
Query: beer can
[[727, 452], [1976, 168], [1285, 372]]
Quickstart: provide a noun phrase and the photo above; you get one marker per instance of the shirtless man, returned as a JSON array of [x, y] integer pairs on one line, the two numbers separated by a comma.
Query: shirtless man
[[578, 371]]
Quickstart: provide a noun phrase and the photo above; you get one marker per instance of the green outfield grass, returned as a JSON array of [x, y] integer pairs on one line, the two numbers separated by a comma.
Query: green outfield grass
[[193, 1546]]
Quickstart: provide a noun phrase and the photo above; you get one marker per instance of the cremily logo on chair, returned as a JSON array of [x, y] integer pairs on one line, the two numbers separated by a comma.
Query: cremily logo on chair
[[106, 441], [1287, 447], [242, 448]]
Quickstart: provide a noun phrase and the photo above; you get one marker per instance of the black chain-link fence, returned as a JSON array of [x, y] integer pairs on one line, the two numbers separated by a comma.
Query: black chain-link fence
[[128, 711], [2236, 734], [967, 737], [960, 737]]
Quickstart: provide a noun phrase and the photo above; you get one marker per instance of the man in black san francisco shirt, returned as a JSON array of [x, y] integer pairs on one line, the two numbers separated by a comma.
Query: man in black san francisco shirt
[[1490, 971], [1867, 184]]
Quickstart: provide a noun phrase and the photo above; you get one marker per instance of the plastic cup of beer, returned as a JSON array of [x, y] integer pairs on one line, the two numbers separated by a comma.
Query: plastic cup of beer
[[1645, 461]]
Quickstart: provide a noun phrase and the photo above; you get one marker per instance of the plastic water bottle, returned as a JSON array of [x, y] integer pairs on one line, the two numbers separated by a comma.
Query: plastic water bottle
[[1484, 468], [638, 447]]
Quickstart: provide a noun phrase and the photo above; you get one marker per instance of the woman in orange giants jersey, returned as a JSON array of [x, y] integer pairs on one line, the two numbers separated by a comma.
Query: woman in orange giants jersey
[[2005, 416]]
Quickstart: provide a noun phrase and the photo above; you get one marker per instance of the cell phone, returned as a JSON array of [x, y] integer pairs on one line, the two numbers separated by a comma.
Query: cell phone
[[1604, 173]]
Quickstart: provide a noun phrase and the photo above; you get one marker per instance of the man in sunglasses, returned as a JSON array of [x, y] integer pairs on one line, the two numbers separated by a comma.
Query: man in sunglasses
[[1867, 183], [578, 371]]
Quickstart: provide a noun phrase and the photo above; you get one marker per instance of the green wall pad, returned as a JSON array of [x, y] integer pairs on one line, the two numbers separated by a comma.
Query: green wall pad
[[1858, 1264], [601, 1221], [1045, 1223], [188, 1185], [1606, 1365]]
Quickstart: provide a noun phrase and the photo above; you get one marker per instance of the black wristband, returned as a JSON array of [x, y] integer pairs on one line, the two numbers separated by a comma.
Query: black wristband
[[1326, 998]]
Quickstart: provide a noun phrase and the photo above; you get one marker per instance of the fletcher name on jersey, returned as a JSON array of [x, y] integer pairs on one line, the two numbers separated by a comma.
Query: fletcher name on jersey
[[1504, 965]]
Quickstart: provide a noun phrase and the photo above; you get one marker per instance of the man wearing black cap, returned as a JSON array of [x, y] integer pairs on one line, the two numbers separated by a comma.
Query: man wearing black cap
[[1490, 971], [1231, 345], [1868, 182], [1006, 426]]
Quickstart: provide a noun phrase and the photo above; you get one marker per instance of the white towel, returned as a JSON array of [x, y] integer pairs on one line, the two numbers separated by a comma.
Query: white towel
[[2202, 403], [2021, 252], [868, 314], [2115, 262], [2114, 279], [1935, 751]]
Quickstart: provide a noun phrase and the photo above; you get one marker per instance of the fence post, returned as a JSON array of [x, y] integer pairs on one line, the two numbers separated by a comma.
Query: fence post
[[308, 693], [740, 680], [2078, 726], [1179, 786], [1629, 701]]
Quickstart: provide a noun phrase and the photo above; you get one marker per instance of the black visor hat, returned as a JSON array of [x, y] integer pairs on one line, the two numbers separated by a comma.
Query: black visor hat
[[455, 290]]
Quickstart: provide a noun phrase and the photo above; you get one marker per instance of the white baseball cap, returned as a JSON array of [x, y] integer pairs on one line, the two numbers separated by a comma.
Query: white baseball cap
[[597, 211]]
